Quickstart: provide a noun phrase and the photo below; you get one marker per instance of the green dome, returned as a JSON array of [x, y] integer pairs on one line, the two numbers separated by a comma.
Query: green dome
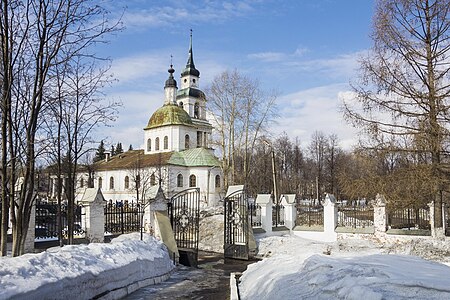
[[169, 114]]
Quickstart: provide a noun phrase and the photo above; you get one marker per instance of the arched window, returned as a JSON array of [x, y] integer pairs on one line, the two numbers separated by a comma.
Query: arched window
[[180, 180], [111, 183], [157, 144], [127, 182], [149, 145], [192, 181], [81, 182], [166, 143], [217, 181], [196, 110], [186, 141], [199, 139], [152, 179], [180, 104], [100, 182]]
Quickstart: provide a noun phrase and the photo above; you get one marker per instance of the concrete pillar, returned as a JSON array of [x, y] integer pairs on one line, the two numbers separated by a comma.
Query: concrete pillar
[[330, 214], [94, 219], [379, 215], [265, 201], [290, 210]]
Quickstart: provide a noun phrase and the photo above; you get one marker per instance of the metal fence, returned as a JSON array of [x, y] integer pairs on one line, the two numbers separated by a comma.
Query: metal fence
[[309, 214], [47, 220], [446, 213], [277, 215], [123, 217], [409, 218], [254, 213], [355, 216]]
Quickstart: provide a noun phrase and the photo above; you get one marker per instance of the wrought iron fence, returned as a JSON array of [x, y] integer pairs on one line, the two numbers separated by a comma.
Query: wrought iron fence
[[47, 220], [309, 214], [123, 217], [254, 213], [277, 215], [446, 208], [355, 216], [409, 218]]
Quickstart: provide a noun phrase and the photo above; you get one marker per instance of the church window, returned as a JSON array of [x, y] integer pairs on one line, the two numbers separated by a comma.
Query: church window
[[127, 182], [166, 142], [186, 141], [81, 182], [193, 80], [199, 139], [185, 80], [111, 183], [181, 104], [217, 181], [196, 110], [157, 144], [180, 180], [152, 179], [149, 145], [100, 182], [192, 181]]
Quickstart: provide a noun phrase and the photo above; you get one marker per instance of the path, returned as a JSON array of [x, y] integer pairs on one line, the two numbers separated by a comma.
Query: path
[[211, 280]]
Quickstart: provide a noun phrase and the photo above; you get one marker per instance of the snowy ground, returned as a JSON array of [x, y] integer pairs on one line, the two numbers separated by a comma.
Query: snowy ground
[[88, 269], [296, 268]]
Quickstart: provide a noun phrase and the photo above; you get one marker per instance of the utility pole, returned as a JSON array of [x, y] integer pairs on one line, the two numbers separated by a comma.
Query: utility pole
[[274, 173]]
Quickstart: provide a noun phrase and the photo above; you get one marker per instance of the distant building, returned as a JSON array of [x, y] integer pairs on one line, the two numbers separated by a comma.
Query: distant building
[[176, 152]]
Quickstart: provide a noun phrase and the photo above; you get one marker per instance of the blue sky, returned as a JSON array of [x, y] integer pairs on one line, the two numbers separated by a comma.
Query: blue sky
[[306, 50]]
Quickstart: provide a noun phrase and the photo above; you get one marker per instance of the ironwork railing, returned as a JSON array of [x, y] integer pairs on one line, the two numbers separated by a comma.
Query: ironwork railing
[[355, 216], [446, 208], [47, 220], [409, 218], [277, 215], [254, 213], [309, 214], [123, 217]]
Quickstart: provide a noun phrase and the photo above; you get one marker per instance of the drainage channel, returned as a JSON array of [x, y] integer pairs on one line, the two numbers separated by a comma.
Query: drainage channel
[[211, 280]]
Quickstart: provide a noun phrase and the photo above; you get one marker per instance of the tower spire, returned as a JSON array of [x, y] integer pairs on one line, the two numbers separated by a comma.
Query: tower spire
[[190, 67]]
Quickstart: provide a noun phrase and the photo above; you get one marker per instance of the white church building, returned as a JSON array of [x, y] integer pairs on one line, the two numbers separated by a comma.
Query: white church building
[[176, 152]]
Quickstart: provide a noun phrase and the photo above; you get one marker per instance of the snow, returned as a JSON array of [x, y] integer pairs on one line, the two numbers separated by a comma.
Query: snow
[[297, 268], [91, 269]]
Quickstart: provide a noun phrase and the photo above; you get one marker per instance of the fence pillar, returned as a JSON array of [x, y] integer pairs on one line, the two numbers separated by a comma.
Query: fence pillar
[[379, 215], [158, 203], [94, 213], [29, 241], [436, 232], [290, 210], [330, 214], [265, 201]]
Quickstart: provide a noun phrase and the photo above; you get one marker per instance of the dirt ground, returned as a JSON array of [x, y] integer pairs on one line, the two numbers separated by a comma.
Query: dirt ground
[[211, 280]]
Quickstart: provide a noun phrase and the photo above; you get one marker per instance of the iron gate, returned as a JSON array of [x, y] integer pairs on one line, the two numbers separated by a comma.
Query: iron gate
[[236, 229], [184, 212]]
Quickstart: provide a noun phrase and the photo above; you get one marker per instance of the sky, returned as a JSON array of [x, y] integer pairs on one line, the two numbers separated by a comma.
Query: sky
[[306, 51]]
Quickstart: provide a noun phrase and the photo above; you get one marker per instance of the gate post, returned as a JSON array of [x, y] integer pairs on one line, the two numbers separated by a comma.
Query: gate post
[[379, 215], [93, 203], [265, 201], [290, 211], [329, 214]]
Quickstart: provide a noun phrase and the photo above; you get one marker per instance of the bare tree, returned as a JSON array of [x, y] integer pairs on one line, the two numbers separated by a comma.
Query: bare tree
[[47, 34], [242, 111], [402, 98]]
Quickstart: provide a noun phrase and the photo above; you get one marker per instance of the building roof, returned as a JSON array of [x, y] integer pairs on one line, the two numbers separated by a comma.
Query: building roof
[[197, 157], [192, 92], [169, 114], [133, 159], [190, 67]]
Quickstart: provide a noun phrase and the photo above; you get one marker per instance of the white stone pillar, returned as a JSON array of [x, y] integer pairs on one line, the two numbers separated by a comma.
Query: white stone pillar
[[436, 232], [379, 215], [93, 205], [290, 210], [329, 214], [265, 201]]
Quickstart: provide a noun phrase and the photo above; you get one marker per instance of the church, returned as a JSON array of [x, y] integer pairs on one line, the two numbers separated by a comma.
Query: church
[[176, 154]]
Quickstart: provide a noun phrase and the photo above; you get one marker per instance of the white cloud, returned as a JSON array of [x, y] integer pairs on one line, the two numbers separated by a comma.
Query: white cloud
[[135, 67], [303, 112]]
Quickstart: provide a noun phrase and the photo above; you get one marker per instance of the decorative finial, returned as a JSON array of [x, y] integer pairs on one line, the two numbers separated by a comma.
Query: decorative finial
[[171, 64]]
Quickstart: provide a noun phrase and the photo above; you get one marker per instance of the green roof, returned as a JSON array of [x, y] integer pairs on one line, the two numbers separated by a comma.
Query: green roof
[[169, 114], [197, 157]]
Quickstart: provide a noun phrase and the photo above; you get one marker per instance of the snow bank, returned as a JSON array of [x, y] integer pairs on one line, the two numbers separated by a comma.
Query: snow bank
[[295, 268], [211, 234], [84, 271]]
